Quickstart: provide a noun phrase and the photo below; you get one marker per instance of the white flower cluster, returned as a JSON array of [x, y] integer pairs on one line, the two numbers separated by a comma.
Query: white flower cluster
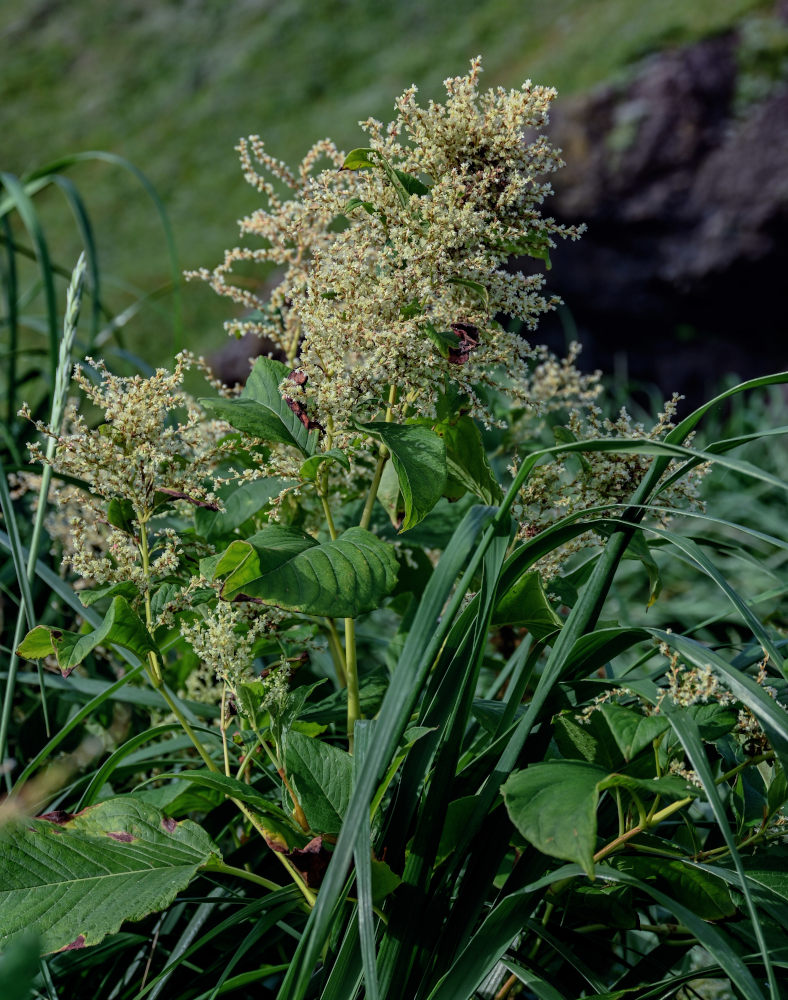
[[140, 455], [223, 636], [567, 487], [138, 451], [401, 295], [292, 230]]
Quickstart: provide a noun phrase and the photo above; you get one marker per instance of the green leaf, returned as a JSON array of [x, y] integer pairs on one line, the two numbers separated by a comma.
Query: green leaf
[[639, 549], [442, 339], [778, 790], [713, 721], [390, 496], [120, 514], [476, 287], [333, 708], [671, 786], [322, 776], [466, 461], [769, 870], [457, 815], [311, 465], [384, 881], [698, 890], [339, 579], [261, 410], [121, 627], [280, 832], [359, 159], [241, 501], [534, 982], [632, 731], [553, 805], [125, 589], [411, 184], [419, 458], [352, 203], [588, 741], [76, 882], [533, 245], [526, 604], [265, 551]]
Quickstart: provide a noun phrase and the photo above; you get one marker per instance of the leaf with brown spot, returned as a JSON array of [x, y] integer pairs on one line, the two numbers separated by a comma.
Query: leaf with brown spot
[[262, 412], [78, 942], [57, 816], [468, 340], [58, 875], [311, 861]]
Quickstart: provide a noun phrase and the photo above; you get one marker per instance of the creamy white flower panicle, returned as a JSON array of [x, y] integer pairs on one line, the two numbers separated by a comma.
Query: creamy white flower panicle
[[380, 261], [223, 636], [140, 454], [292, 229], [436, 259], [138, 451]]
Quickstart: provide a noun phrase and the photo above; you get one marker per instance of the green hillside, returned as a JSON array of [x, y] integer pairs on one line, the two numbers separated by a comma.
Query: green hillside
[[172, 85]]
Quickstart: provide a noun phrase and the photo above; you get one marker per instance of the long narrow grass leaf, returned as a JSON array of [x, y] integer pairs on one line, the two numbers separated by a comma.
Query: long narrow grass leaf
[[364, 734], [27, 213], [65, 162]]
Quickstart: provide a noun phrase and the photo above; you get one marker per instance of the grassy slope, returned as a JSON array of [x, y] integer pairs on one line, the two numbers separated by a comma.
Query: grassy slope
[[172, 85]]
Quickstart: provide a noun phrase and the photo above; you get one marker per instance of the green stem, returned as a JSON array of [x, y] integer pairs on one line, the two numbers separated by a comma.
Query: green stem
[[351, 664], [635, 830], [366, 517], [198, 746], [351, 673], [329, 517], [655, 818], [622, 825], [337, 653], [220, 866], [223, 726], [383, 454]]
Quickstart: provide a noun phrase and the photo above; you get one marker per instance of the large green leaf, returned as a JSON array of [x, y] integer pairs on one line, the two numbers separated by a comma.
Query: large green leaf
[[526, 604], [261, 410], [121, 627], [466, 460], [553, 805], [323, 779], [77, 881], [340, 579], [418, 455], [240, 503]]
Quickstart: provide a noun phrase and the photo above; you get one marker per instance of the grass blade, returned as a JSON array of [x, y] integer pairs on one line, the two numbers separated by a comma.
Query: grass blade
[[20, 200], [364, 734]]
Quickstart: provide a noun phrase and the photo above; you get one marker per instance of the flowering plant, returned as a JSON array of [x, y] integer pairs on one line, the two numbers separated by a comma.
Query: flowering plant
[[368, 588]]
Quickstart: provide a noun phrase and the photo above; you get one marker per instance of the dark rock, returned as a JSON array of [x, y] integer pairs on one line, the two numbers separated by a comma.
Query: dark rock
[[233, 361], [683, 268]]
